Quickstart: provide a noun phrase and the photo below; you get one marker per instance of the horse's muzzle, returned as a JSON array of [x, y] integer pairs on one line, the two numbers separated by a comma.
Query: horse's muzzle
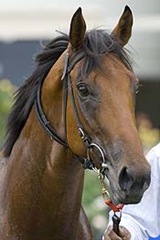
[[130, 185]]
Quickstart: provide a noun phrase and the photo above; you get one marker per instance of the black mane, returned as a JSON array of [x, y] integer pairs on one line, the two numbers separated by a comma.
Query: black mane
[[95, 44]]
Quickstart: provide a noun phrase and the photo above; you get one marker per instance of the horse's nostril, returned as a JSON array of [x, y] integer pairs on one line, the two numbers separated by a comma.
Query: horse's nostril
[[126, 179], [129, 179]]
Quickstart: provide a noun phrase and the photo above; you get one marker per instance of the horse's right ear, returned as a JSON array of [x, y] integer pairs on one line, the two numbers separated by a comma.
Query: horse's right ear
[[122, 31], [77, 29]]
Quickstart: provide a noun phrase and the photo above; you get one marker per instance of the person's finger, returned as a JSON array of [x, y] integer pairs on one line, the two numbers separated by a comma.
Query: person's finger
[[124, 233], [106, 237], [111, 235]]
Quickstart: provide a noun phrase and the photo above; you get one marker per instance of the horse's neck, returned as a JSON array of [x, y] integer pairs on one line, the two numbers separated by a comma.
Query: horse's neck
[[44, 187]]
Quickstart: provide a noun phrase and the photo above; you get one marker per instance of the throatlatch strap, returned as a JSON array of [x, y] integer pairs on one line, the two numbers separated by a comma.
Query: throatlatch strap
[[44, 121]]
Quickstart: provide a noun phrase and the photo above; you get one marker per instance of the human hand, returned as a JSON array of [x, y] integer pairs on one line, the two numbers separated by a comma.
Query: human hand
[[109, 234]]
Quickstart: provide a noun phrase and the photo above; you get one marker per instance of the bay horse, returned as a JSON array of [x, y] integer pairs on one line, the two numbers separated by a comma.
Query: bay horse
[[76, 108]]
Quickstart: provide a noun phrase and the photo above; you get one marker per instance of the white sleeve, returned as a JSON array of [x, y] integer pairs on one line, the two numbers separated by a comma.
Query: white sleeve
[[137, 231], [142, 220]]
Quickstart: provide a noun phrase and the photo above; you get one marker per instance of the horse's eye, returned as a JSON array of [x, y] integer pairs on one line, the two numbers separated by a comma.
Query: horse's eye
[[83, 89]]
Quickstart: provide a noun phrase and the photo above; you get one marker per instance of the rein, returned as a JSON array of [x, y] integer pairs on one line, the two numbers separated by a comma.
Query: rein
[[87, 162]]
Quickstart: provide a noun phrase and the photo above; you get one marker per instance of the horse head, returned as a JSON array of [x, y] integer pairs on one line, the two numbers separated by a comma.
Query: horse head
[[101, 105]]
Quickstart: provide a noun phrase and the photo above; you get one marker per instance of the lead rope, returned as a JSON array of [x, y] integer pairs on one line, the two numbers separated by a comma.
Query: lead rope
[[117, 209]]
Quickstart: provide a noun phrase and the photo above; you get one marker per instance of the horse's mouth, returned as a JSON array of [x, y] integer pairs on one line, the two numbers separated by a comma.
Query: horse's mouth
[[126, 186], [118, 196]]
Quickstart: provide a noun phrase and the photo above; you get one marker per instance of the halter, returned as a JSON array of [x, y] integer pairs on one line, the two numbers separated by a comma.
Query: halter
[[87, 162]]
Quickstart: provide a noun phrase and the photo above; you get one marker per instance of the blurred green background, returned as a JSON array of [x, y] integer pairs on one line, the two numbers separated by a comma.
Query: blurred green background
[[6, 99]]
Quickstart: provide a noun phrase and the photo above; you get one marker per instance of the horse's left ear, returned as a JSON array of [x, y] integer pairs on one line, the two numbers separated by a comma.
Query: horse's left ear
[[77, 29], [122, 32]]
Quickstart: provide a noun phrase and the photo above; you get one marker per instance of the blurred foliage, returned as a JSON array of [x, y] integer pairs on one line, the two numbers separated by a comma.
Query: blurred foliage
[[149, 135], [94, 205], [6, 101]]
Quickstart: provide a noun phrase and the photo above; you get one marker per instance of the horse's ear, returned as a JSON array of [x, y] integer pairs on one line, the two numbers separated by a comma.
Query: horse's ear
[[77, 29], [122, 31]]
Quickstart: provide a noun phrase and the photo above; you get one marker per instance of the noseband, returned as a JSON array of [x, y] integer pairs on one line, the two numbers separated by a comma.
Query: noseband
[[87, 162]]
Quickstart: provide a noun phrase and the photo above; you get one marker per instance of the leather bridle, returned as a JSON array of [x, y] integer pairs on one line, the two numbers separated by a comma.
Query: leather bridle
[[87, 162]]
